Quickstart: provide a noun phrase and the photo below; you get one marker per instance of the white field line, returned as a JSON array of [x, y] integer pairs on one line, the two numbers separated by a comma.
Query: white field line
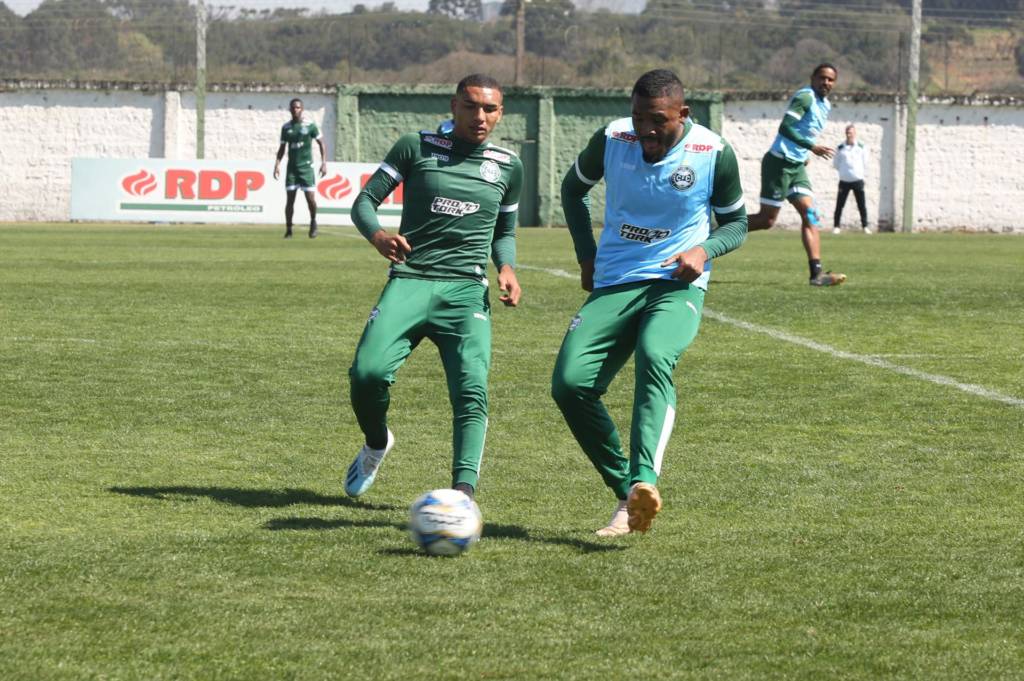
[[28, 339], [870, 360], [351, 235]]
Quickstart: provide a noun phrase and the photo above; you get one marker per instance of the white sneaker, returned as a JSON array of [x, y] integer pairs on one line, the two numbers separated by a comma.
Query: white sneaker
[[867, 230], [835, 230], [619, 524], [363, 470]]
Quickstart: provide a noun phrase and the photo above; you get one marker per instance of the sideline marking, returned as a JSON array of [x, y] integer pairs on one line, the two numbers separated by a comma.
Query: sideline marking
[[351, 235], [29, 339], [870, 360]]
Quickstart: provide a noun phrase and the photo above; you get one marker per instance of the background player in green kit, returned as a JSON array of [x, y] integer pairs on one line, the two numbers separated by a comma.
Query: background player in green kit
[[297, 137], [783, 168], [461, 203], [664, 176]]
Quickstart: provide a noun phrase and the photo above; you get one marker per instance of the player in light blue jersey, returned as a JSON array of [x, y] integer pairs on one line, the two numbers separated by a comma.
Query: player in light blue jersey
[[665, 175], [783, 173]]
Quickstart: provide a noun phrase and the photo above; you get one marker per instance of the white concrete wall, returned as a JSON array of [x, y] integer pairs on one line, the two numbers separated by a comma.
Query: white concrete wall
[[750, 126], [968, 172], [969, 169], [247, 125], [42, 130]]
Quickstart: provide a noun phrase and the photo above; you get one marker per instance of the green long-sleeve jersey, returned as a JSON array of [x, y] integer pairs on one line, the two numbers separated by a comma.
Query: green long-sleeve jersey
[[460, 204]]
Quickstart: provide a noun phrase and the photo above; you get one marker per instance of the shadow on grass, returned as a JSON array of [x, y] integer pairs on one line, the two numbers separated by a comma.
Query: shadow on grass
[[279, 498], [249, 498], [324, 524], [494, 531], [497, 531]]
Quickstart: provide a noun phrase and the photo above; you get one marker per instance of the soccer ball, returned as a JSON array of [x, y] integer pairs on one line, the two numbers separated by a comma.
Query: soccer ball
[[445, 522]]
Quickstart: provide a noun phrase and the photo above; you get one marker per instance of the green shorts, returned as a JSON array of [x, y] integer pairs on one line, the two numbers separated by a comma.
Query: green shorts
[[782, 179], [300, 178]]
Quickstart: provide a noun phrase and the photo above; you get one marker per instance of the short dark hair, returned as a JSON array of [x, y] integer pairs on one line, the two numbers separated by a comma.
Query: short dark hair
[[477, 80], [294, 99], [824, 65], [658, 83]]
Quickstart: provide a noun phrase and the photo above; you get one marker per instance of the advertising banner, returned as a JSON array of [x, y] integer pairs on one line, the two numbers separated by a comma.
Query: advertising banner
[[162, 190]]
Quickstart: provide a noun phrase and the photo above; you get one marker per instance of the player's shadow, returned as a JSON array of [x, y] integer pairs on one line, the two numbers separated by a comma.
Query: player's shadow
[[324, 524], [514, 532], [494, 531], [249, 498], [281, 498]]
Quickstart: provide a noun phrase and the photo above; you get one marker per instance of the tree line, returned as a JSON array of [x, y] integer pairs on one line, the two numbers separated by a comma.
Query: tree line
[[743, 47]]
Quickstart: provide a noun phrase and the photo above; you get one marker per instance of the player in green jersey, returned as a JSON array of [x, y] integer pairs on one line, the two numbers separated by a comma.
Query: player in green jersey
[[461, 199], [297, 137], [783, 173]]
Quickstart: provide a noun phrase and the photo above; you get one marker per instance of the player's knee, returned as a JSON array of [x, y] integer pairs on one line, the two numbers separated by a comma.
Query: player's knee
[[565, 389], [469, 404], [560, 389], [367, 376], [469, 395]]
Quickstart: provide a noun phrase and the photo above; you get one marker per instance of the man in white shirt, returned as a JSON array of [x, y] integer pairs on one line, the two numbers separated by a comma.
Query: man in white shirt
[[850, 159]]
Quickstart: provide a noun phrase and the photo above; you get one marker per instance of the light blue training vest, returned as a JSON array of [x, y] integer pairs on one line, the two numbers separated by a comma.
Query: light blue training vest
[[810, 124], [654, 210]]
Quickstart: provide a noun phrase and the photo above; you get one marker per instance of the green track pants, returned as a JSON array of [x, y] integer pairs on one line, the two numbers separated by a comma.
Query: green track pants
[[456, 317], [654, 320]]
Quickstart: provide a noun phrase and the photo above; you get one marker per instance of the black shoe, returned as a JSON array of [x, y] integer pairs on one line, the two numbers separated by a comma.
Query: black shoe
[[312, 231], [465, 488], [288, 234]]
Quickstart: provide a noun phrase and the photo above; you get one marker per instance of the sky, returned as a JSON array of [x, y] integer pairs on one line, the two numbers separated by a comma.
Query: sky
[[23, 7]]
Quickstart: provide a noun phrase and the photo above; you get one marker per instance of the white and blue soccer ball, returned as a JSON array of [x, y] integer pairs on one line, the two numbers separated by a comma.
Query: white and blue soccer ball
[[445, 522]]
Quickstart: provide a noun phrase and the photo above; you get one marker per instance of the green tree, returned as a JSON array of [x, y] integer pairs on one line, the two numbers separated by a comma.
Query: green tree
[[457, 9], [547, 22], [66, 38], [12, 40], [168, 25]]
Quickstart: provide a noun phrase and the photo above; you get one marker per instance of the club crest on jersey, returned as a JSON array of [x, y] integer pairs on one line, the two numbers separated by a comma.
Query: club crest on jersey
[[645, 235], [683, 178], [490, 171], [438, 141], [443, 206]]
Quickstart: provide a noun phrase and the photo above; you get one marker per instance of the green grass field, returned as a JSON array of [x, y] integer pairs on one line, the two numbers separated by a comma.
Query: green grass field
[[843, 491]]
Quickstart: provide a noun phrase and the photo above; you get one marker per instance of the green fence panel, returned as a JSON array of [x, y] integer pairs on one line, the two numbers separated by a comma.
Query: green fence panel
[[547, 127]]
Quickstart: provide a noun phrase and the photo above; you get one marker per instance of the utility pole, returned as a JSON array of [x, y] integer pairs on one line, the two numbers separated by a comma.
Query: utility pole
[[911, 130], [520, 40], [200, 78]]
